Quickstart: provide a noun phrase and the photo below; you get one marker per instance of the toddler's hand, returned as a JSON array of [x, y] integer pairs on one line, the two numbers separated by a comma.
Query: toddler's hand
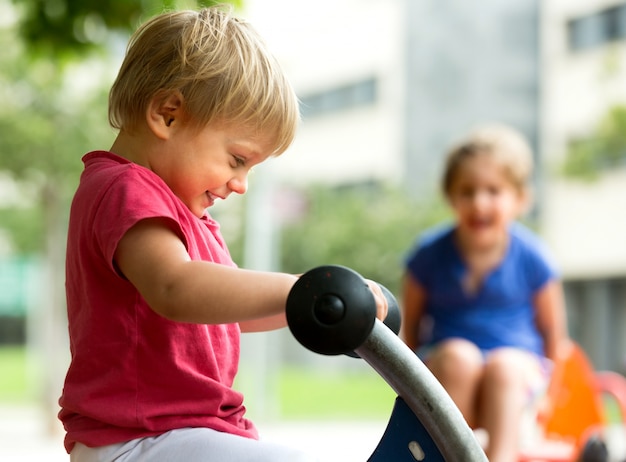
[[382, 306]]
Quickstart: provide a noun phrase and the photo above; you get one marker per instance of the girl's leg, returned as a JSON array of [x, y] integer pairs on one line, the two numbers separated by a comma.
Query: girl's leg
[[504, 394], [458, 365], [191, 444]]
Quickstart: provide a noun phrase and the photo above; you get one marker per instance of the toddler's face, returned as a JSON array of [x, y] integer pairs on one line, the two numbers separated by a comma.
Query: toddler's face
[[203, 166], [484, 200]]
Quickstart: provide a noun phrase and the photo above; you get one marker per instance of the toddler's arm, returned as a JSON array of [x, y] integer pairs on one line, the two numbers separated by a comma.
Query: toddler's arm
[[154, 259]]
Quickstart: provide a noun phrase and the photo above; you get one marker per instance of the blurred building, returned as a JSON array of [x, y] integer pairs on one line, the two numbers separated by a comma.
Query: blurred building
[[584, 75], [387, 85], [346, 59], [466, 64]]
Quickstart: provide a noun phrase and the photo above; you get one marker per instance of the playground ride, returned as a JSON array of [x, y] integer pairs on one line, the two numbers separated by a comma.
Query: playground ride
[[331, 311]]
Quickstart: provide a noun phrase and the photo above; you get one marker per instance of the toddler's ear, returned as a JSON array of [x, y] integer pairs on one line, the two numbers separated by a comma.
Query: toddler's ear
[[163, 112]]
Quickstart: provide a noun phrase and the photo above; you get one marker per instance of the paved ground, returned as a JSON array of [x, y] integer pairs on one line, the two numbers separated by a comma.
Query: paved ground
[[25, 437]]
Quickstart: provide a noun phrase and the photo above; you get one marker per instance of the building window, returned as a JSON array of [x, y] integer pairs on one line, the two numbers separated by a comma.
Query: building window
[[597, 29], [339, 98]]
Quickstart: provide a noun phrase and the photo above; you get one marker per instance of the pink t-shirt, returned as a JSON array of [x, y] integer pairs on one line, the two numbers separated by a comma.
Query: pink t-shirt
[[134, 373]]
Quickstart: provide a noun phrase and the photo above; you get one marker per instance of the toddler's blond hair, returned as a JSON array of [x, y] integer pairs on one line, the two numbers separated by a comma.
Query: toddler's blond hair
[[217, 62]]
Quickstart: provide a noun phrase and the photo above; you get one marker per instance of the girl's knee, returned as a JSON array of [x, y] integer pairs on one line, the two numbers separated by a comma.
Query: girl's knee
[[456, 358], [459, 350], [509, 367]]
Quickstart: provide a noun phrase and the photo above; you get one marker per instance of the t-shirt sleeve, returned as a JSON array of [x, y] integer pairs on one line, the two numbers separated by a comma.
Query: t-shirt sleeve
[[423, 255], [133, 196], [414, 262], [539, 263]]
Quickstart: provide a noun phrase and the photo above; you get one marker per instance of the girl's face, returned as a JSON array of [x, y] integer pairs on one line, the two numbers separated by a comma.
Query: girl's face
[[203, 165], [485, 201]]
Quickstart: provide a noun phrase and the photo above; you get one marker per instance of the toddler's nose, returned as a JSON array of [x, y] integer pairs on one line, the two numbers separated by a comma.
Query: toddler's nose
[[239, 184]]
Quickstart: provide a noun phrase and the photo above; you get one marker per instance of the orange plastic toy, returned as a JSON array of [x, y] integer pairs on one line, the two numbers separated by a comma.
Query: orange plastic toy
[[573, 416]]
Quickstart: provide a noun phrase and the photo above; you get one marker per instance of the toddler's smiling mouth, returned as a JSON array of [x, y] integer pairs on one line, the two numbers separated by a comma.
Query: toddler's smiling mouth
[[211, 198]]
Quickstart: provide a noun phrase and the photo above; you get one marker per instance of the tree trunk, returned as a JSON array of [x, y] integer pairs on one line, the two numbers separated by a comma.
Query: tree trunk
[[54, 352]]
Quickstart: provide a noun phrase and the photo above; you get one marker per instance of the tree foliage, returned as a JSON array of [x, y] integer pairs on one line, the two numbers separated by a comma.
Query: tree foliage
[[368, 228], [46, 124], [67, 27], [604, 149]]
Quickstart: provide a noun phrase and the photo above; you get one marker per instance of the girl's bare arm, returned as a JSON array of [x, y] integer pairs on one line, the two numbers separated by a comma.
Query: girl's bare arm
[[551, 318], [413, 299]]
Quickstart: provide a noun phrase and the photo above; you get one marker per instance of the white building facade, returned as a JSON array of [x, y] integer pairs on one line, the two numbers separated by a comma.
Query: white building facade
[[346, 60], [584, 75]]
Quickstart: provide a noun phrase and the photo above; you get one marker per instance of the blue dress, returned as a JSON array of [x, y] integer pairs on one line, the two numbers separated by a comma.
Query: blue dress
[[501, 312]]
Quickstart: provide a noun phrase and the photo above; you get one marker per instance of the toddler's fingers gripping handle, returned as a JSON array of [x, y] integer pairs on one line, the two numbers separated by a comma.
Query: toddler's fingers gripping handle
[[393, 319]]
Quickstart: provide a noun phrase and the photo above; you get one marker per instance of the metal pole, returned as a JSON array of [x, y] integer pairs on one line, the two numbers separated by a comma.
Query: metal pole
[[413, 382]]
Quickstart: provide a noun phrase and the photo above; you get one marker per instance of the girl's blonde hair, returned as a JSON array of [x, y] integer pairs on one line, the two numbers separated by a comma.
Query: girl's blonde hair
[[218, 63], [503, 144]]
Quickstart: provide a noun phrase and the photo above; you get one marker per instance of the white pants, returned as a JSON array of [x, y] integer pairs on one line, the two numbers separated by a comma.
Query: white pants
[[190, 445]]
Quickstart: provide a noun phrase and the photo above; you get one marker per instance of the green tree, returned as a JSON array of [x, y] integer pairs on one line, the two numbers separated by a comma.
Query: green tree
[[603, 149], [368, 228], [46, 123], [68, 27]]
